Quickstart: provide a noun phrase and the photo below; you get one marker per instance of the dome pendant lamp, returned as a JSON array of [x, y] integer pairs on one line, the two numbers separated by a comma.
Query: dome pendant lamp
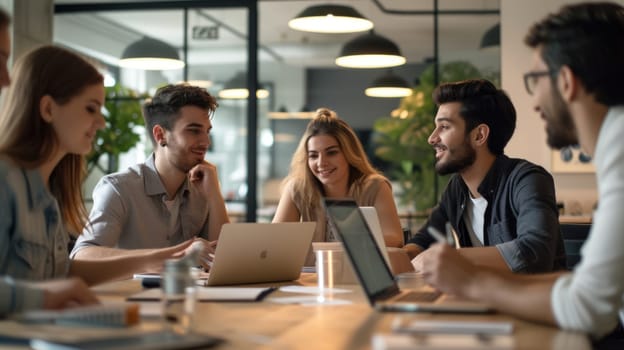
[[370, 51], [389, 85], [150, 54], [330, 19], [491, 38], [236, 88]]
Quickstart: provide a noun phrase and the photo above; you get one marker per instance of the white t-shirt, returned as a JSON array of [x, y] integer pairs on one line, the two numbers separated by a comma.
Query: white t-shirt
[[474, 217], [590, 298]]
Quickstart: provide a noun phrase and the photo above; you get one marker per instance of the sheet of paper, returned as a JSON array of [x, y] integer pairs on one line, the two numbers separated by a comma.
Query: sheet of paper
[[309, 301], [457, 327], [312, 290], [441, 341], [210, 294]]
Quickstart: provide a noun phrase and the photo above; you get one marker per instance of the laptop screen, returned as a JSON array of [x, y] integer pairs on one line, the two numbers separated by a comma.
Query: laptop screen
[[366, 258]]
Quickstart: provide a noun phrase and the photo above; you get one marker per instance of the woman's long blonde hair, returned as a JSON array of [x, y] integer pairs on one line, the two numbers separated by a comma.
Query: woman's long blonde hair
[[301, 178], [28, 140]]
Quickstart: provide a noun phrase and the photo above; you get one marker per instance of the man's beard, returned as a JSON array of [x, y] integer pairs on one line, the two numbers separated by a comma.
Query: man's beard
[[459, 159], [560, 129]]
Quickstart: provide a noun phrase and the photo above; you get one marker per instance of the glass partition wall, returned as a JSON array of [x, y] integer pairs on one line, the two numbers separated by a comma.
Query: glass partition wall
[[232, 42], [212, 39]]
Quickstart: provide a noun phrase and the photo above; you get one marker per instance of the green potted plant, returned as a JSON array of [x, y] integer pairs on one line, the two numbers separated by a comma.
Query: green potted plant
[[401, 139], [123, 115]]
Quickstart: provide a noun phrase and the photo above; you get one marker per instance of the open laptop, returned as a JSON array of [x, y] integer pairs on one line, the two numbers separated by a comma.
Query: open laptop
[[260, 252], [372, 219], [374, 273]]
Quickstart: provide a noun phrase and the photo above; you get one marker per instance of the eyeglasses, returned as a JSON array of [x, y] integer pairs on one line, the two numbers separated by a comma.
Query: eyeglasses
[[531, 78]]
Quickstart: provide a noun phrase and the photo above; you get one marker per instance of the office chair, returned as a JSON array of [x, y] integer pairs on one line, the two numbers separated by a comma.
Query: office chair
[[574, 235]]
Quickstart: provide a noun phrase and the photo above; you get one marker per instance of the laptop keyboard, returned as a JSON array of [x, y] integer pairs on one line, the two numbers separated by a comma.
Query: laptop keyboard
[[419, 296]]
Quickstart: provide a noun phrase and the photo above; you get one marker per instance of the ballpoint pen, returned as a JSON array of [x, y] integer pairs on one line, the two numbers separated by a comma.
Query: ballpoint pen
[[449, 238], [449, 234], [437, 235]]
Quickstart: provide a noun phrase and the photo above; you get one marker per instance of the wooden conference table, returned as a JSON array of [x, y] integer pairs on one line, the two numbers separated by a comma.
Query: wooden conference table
[[269, 325]]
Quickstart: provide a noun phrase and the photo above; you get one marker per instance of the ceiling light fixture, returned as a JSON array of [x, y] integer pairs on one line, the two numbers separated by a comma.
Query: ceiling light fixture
[[491, 38], [204, 84], [283, 113], [150, 54], [200, 79], [236, 88], [370, 51], [330, 19], [389, 85]]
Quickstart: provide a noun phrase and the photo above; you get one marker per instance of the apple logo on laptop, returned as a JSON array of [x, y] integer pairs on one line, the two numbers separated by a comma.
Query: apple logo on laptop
[[263, 254]]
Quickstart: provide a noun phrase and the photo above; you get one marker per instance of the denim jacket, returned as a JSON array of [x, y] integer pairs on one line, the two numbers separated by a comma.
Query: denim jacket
[[33, 239], [16, 296], [521, 218]]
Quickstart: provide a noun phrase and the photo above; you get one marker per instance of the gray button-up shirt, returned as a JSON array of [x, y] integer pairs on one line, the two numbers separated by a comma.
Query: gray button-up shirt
[[129, 212]]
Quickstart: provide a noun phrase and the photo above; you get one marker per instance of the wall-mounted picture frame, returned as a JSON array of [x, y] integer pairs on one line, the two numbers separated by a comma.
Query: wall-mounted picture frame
[[571, 160]]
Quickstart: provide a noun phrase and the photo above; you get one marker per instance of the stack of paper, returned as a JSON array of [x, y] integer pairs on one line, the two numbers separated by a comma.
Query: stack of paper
[[435, 335]]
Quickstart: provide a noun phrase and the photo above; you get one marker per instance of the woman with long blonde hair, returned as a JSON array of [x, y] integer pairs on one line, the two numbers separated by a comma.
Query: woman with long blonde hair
[[330, 162]]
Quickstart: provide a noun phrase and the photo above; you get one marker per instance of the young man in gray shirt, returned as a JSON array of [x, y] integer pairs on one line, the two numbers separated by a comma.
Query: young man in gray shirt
[[171, 198]]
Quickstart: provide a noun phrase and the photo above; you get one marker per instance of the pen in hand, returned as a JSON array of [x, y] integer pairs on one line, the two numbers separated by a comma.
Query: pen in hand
[[437, 235], [450, 237]]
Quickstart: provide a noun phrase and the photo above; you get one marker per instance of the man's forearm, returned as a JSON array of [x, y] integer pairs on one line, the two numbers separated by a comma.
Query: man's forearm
[[94, 271], [524, 296], [113, 263], [97, 252], [485, 256]]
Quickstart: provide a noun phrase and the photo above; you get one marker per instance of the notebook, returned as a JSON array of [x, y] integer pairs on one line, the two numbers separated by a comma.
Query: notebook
[[374, 273], [161, 340], [260, 252]]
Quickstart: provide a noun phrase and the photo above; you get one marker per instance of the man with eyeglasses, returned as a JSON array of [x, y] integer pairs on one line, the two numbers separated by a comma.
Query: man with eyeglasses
[[172, 198], [503, 209], [575, 79]]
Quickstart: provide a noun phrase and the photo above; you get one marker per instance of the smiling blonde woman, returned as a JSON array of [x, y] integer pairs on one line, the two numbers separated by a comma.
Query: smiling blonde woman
[[330, 162]]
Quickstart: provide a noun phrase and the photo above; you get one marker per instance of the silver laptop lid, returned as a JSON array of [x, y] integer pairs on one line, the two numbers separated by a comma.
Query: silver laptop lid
[[367, 260], [260, 252], [372, 219]]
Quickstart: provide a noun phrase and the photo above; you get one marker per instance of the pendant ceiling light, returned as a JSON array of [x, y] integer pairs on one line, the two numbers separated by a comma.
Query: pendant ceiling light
[[283, 113], [330, 19], [202, 83], [370, 51], [150, 54], [236, 88], [200, 79], [389, 85], [491, 38]]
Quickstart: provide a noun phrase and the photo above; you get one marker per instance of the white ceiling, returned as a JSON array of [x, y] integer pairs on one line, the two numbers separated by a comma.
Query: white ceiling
[[459, 34]]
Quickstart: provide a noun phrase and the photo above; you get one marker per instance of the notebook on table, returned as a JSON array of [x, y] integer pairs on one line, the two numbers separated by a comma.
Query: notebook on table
[[374, 273], [260, 252]]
